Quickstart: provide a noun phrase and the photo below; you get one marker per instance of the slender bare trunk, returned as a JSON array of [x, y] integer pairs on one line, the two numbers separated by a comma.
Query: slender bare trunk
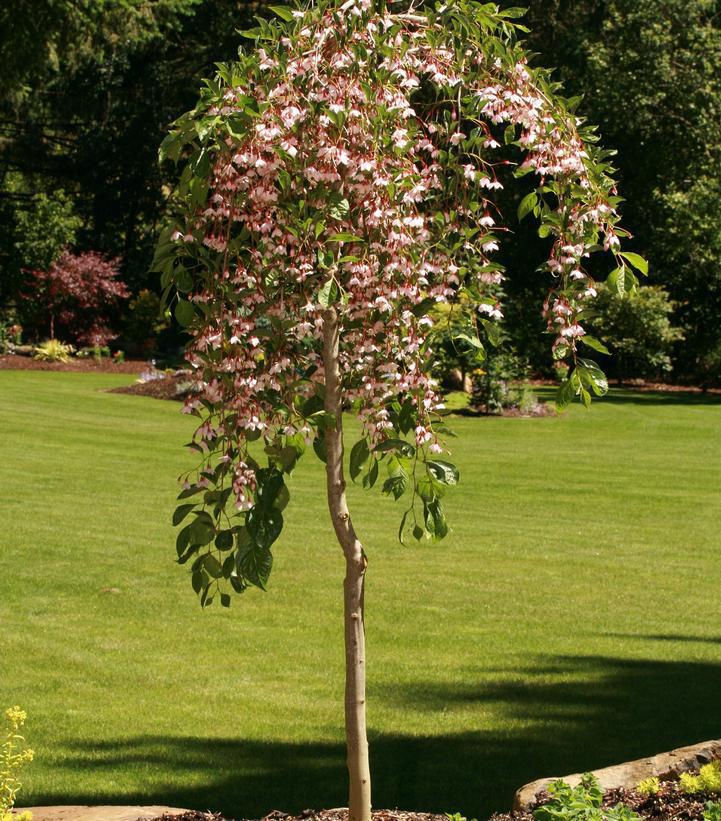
[[359, 801]]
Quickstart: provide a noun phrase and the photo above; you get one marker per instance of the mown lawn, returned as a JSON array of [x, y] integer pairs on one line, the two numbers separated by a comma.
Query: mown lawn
[[570, 621]]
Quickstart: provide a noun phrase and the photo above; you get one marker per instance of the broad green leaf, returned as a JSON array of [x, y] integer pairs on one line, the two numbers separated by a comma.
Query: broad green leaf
[[181, 512], [359, 455], [638, 262], [594, 343], [527, 204], [212, 566], [283, 12], [371, 477], [344, 237], [255, 565], [224, 540], [406, 448], [184, 312], [328, 294], [444, 472], [616, 281], [565, 394]]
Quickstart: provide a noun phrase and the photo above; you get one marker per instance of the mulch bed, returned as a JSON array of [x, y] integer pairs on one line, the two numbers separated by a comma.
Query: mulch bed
[[340, 814], [170, 386], [669, 804], [11, 362]]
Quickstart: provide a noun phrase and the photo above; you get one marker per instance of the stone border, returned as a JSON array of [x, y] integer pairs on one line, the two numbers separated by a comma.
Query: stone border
[[664, 766], [101, 813]]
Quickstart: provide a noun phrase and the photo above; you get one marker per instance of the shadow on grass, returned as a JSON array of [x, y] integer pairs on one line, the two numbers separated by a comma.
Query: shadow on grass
[[561, 715], [619, 396]]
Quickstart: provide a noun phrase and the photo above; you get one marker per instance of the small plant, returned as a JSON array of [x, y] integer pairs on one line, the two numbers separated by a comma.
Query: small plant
[[53, 351], [499, 384], [119, 357], [712, 811], [649, 786], [13, 755], [580, 803], [707, 780], [10, 334], [98, 352]]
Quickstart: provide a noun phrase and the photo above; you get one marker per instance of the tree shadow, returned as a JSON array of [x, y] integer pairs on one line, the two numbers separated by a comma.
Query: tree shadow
[[564, 714], [624, 396], [672, 637]]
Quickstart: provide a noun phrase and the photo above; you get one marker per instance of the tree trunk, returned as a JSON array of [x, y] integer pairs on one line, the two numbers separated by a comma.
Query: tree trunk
[[359, 801]]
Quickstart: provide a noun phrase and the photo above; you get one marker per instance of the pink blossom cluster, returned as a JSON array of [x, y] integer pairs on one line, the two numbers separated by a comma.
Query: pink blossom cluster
[[334, 180]]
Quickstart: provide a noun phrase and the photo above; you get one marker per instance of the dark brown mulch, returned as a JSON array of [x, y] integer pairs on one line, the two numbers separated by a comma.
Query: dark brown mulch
[[340, 814], [669, 804], [14, 362], [171, 386]]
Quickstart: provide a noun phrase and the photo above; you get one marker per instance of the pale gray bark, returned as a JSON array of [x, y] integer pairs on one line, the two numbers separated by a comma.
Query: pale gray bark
[[359, 801]]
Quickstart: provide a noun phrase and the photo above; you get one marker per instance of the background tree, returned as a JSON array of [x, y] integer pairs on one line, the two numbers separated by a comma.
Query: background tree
[[338, 183], [75, 295], [638, 330], [650, 76]]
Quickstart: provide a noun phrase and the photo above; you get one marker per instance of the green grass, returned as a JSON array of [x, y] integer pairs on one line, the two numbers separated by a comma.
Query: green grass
[[570, 621]]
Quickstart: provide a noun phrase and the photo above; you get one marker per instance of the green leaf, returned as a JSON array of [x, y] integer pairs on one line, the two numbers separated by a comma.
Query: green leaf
[[184, 312], [403, 447], [339, 209], [183, 540], [224, 600], [527, 204], [212, 566], [283, 12], [371, 477], [328, 294], [592, 375], [638, 262], [181, 512], [255, 565], [444, 472], [224, 540], [359, 455], [616, 281], [435, 519], [565, 394], [594, 343], [397, 483], [264, 525], [473, 341], [202, 531], [344, 237], [319, 446]]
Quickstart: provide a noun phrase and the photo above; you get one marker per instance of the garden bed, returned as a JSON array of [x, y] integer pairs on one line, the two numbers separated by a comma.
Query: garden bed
[[13, 362]]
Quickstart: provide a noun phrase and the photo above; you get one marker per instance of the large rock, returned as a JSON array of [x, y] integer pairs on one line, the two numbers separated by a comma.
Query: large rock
[[628, 775], [106, 813]]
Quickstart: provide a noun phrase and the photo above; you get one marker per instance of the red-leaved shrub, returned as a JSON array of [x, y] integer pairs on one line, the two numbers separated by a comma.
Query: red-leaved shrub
[[76, 295]]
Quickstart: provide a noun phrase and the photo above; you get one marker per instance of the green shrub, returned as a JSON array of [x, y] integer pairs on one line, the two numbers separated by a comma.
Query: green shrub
[[53, 351], [581, 803], [712, 811], [707, 780], [13, 756], [649, 786], [96, 351], [638, 330], [144, 322], [500, 383]]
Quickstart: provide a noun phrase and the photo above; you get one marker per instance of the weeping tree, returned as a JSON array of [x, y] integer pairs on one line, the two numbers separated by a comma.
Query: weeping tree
[[337, 183]]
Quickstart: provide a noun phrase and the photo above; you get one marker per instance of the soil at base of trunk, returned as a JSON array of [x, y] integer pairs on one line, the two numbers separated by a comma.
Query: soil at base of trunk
[[340, 814]]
